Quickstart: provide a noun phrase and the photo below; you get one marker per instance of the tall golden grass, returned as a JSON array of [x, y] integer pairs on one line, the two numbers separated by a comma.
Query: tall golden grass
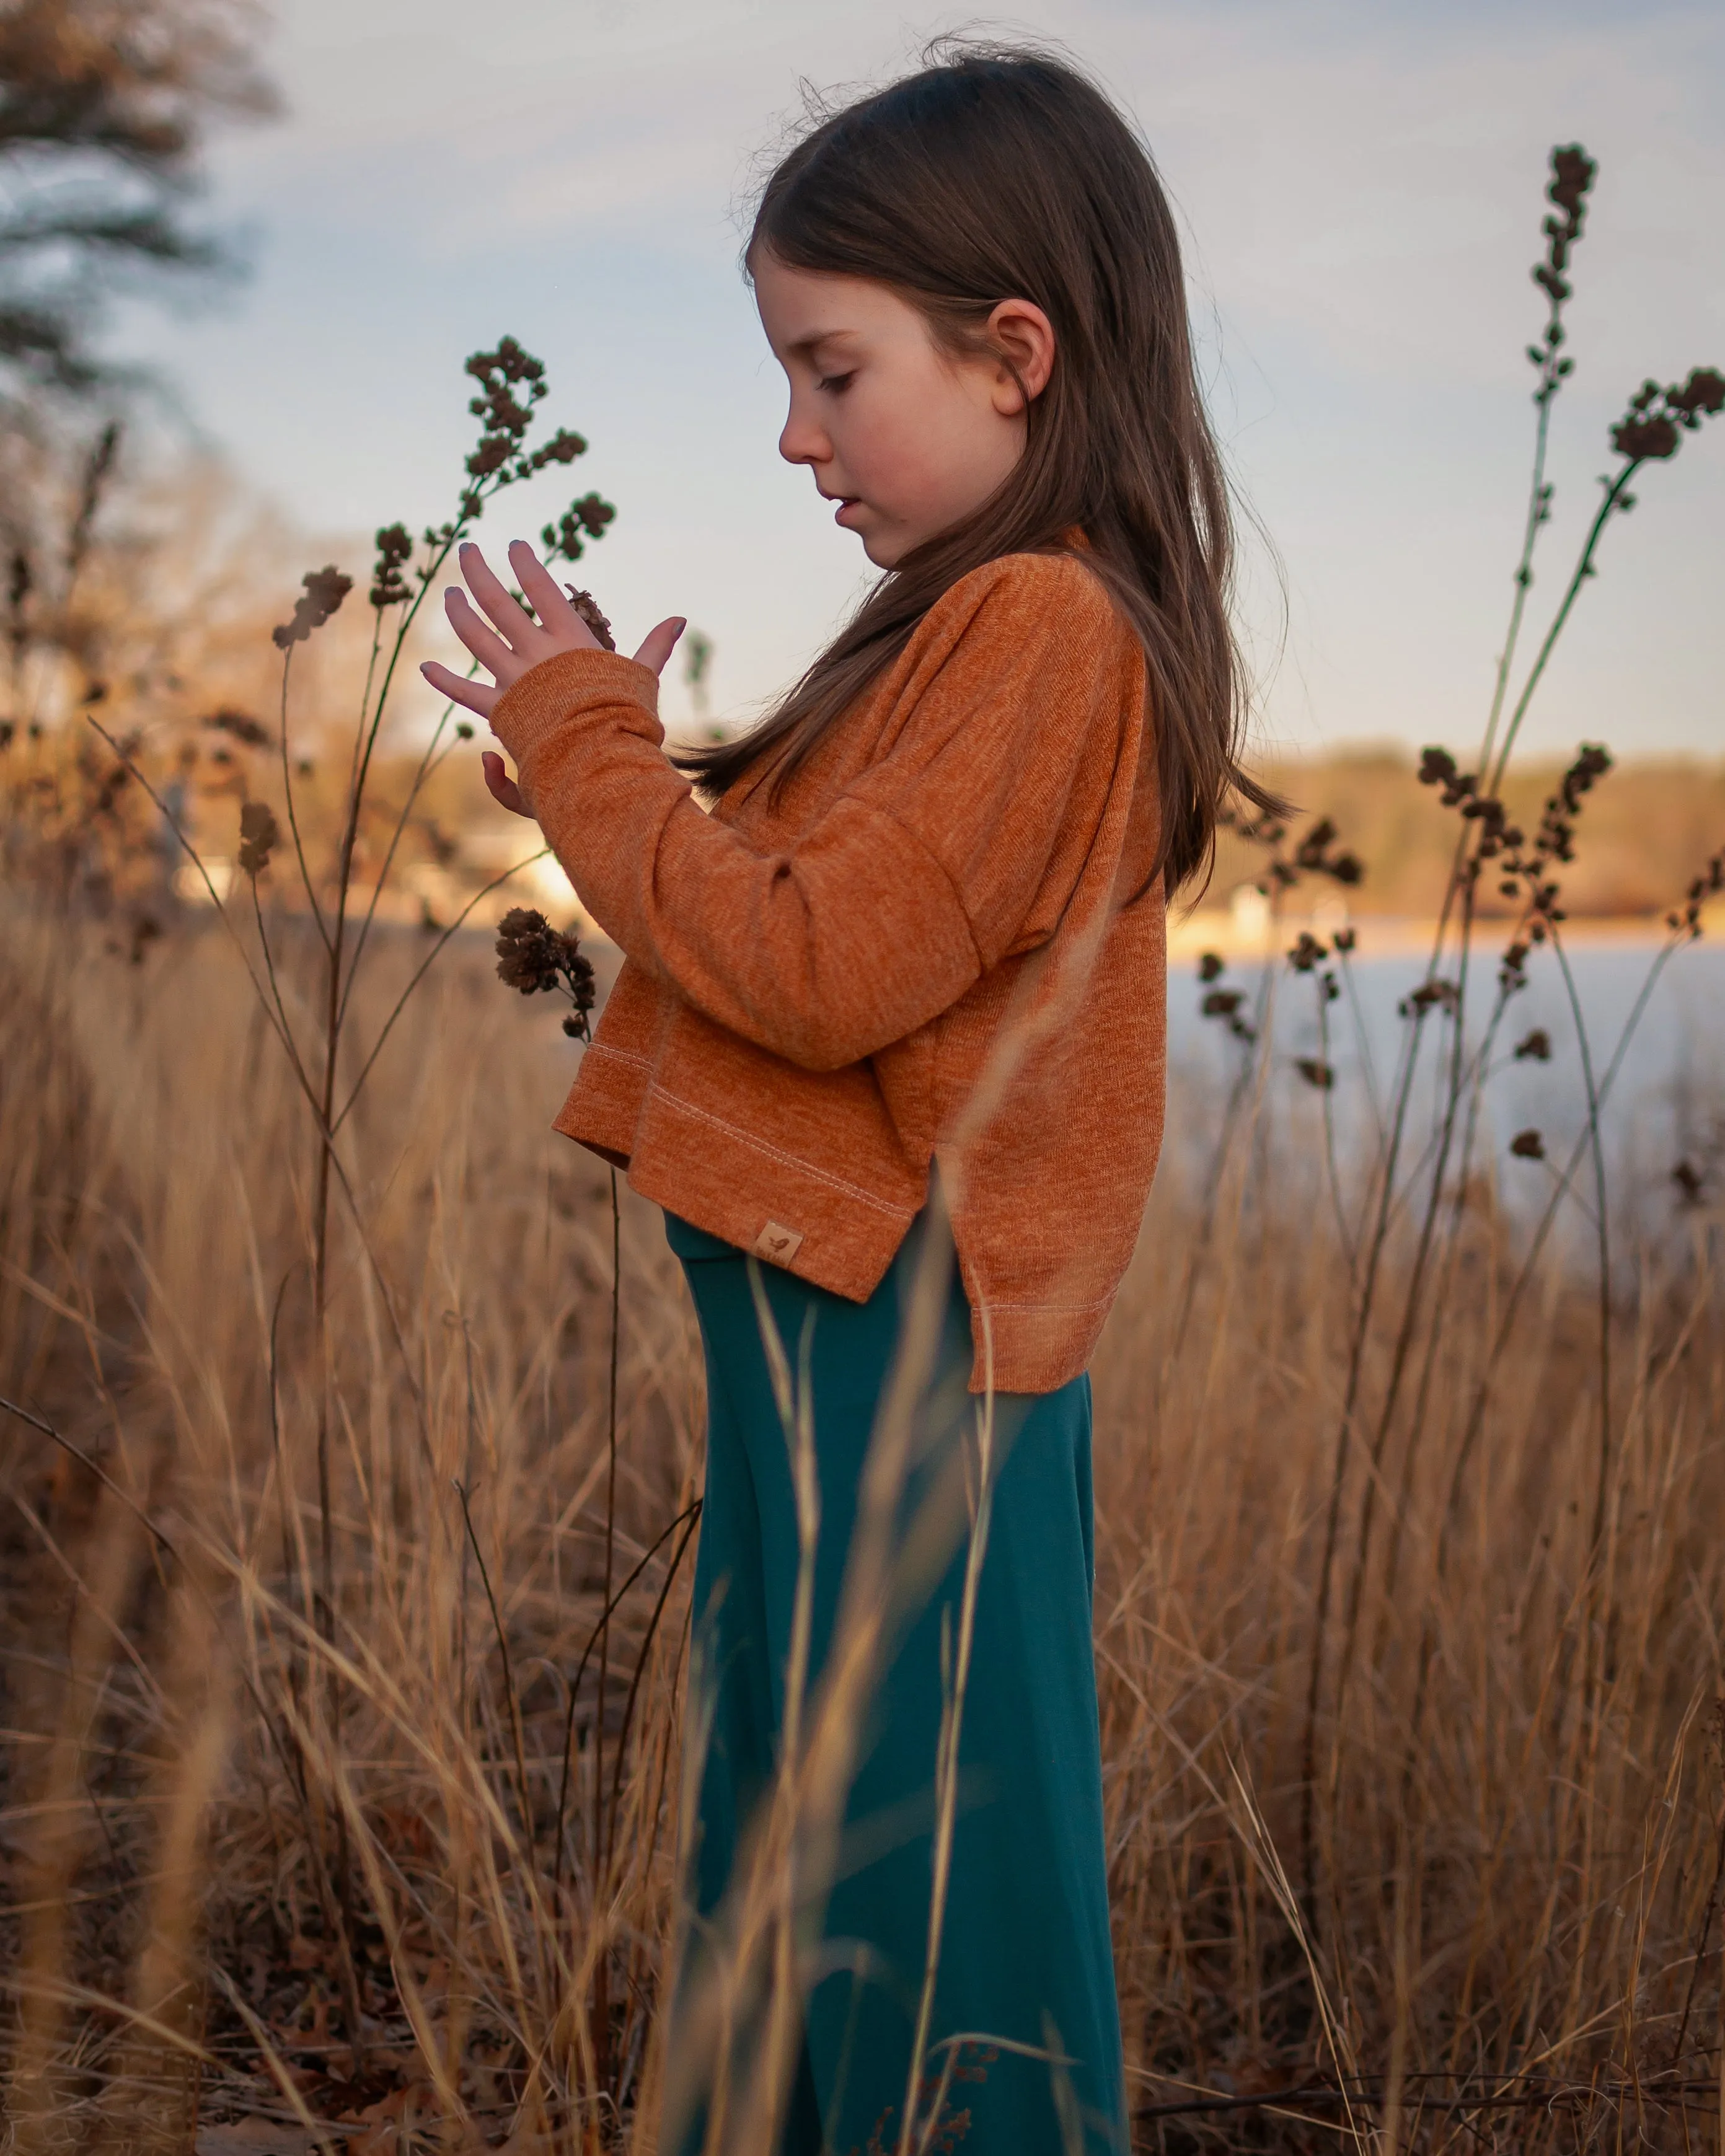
[[1518, 1809]]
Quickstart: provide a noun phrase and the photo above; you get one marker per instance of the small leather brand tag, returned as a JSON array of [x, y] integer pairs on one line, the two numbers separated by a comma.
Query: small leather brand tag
[[777, 1245]]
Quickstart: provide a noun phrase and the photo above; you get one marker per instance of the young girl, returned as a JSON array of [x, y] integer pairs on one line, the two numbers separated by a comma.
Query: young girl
[[911, 970]]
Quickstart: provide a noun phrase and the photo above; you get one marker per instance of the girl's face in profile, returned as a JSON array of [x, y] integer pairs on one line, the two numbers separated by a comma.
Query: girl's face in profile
[[907, 437]]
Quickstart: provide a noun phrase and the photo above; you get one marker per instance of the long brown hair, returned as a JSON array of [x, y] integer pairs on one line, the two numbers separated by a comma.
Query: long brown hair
[[1001, 172]]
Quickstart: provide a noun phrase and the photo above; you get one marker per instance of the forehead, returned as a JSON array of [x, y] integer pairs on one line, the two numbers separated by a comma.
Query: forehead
[[802, 309]]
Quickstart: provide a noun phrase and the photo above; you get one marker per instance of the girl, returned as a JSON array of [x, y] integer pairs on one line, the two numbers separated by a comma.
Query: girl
[[910, 971]]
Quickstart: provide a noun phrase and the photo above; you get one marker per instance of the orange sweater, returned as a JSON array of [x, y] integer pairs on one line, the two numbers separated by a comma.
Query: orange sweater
[[929, 949]]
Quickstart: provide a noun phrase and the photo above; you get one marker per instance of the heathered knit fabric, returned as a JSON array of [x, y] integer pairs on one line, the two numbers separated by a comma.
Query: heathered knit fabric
[[934, 945]]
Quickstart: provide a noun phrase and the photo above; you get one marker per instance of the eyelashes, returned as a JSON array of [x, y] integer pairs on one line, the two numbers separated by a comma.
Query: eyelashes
[[837, 384]]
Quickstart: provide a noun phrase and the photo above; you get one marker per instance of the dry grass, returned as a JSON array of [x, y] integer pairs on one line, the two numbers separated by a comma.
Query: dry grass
[[1517, 1801]]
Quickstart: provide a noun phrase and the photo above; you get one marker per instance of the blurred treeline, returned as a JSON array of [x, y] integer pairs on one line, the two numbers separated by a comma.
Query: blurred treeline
[[1648, 823]]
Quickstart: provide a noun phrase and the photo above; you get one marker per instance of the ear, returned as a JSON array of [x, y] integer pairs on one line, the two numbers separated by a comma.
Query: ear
[[1020, 329]]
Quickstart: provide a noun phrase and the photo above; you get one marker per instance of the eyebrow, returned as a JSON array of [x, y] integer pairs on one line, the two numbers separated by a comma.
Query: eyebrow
[[807, 347]]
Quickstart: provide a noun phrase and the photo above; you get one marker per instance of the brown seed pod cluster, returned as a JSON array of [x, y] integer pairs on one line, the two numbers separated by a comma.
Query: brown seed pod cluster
[[325, 590], [395, 550], [258, 834], [1657, 419], [588, 606], [537, 959]]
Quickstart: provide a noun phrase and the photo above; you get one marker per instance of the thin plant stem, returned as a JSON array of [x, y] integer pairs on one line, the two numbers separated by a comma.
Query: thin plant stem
[[1405, 1331], [1362, 1041], [1332, 1172], [690, 1520], [512, 1700], [1582, 574], [1538, 511], [602, 2032], [1602, 1228], [1710, 1910], [947, 1768], [293, 814], [419, 973], [1417, 1423], [690, 1513], [1359, 1333]]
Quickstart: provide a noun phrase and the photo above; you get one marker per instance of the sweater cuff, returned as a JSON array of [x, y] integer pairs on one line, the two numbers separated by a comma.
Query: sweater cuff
[[568, 686]]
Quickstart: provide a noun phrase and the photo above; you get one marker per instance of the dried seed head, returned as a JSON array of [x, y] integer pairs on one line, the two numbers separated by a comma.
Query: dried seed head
[[588, 606], [1653, 426], [1316, 1073], [1439, 995], [1307, 953], [1437, 766], [526, 951], [258, 834], [1536, 1048], [506, 417], [240, 725], [395, 550], [1317, 854], [1572, 177], [1210, 967], [1527, 1145], [325, 590], [582, 520], [1686, 919], [533, 957]]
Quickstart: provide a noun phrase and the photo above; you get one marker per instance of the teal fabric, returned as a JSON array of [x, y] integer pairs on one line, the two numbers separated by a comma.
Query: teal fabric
[[1026, 1954]]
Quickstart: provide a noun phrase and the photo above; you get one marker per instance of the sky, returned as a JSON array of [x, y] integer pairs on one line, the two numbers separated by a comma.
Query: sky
[[1359, 186]]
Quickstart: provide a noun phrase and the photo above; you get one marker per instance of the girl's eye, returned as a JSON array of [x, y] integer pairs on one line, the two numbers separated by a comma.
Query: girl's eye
[[837, 383]]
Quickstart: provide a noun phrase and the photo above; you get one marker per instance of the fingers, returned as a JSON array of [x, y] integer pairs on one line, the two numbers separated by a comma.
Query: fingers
[[487, 647], [476, 696], [502, 787], [505, 638], [512, 622], [548, 599], [660, 643]]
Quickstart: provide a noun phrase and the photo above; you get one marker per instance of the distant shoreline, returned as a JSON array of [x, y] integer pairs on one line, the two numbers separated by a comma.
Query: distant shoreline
[[1231, 935]]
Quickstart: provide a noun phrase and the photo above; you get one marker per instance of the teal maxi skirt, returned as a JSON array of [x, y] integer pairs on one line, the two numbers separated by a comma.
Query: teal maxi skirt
[[1026, 1974]]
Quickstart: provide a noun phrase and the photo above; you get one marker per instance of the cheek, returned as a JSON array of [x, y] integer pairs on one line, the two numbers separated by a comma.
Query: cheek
[[908, 442]]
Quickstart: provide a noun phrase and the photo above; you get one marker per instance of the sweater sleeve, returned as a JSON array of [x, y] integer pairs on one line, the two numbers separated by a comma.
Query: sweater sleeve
[[919, 876]]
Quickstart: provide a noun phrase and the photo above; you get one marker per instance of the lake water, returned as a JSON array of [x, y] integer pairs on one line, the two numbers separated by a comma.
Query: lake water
[[1666, 1102]]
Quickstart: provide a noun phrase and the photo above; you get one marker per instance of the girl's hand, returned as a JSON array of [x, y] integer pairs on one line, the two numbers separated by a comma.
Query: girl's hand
[[514, 642]]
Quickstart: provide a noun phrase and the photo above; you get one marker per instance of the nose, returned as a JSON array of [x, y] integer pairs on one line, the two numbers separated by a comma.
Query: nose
[[803, 440]]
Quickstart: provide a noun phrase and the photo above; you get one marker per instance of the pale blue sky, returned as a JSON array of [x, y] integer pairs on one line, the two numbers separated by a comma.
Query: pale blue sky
[[1360, 183]]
